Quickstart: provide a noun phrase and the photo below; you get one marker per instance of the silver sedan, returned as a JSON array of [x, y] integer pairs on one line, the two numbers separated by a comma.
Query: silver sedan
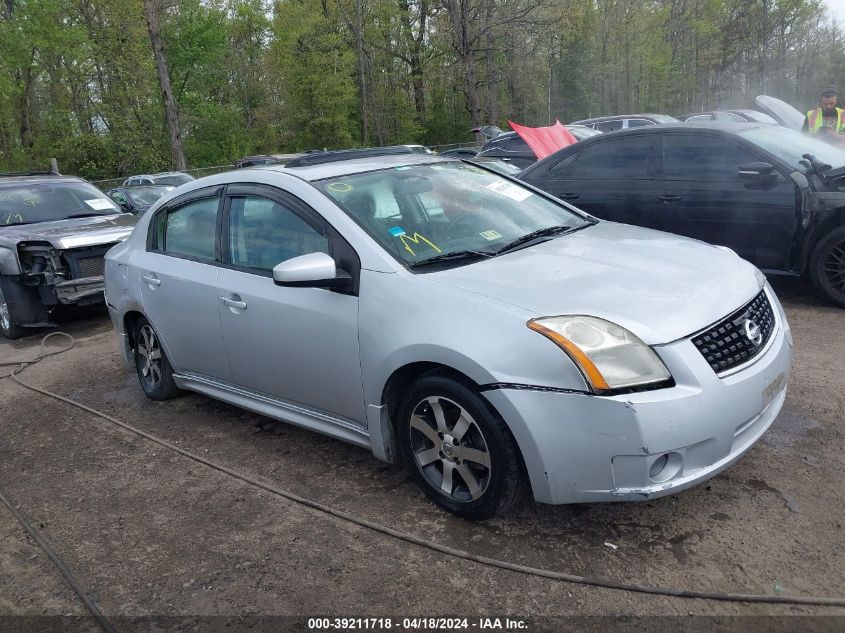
[[492, 338]]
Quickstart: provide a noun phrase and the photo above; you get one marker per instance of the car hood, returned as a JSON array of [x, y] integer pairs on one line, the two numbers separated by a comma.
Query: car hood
[[661, 287], [780, 111], [73, 232]]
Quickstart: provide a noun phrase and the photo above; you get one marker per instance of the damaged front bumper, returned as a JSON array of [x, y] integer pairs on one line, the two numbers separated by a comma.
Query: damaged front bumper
[[581, 448], [75, 290]]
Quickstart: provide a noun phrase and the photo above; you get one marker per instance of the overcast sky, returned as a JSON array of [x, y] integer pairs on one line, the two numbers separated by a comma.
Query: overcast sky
[[837, 8]]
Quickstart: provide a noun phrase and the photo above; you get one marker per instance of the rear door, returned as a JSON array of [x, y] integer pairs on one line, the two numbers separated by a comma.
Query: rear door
[[299, 345], [701, 195], [611, 178], [178, 278]]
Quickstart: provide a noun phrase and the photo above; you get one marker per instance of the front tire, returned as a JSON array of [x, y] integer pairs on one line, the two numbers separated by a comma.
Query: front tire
[[153, 368], [827, 266], [458, 450], [8, 326]]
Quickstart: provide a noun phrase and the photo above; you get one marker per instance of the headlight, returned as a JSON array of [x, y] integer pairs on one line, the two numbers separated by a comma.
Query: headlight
[[609, 356]]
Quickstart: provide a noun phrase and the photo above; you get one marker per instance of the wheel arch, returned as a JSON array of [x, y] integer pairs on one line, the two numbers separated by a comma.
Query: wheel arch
[[401, 377]]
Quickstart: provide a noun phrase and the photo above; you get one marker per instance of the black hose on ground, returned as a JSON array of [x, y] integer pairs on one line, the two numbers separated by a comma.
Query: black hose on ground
[[104, 623], [431, 545]]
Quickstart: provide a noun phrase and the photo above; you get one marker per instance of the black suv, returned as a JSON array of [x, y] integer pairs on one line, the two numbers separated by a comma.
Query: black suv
[[54, 232], [773, 195]]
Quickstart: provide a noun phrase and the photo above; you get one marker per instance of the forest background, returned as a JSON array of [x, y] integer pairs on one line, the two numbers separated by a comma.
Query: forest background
[[113, 87]]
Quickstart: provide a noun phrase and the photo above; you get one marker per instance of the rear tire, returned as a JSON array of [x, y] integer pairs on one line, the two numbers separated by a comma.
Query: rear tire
[[827, 266], [154, 371], [458, 449], [8, 325]]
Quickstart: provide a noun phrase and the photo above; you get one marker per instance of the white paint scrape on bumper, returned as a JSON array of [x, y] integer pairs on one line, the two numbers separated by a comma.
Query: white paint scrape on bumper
[[582, 448]]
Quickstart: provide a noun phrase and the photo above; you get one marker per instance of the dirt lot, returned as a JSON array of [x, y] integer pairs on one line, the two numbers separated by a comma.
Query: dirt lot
[[149, 532]]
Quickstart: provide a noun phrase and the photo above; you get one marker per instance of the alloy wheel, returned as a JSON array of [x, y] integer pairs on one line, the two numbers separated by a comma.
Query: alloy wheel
[[449, 449], [150, 352], [5, 314]]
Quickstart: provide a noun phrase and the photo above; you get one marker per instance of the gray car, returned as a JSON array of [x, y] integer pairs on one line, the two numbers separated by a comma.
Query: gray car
[[54, 232], [438, 313]]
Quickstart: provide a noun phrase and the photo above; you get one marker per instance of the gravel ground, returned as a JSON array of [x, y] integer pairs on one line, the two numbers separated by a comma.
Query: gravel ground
[[149, 532]]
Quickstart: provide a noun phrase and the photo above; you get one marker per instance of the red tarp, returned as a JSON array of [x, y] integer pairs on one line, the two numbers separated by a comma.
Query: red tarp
[[544, 140]]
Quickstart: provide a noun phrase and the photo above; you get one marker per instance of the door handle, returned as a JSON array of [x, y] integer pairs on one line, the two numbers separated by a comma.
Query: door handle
[[234, 303], [151, 279], [570, 196], [670, 198]]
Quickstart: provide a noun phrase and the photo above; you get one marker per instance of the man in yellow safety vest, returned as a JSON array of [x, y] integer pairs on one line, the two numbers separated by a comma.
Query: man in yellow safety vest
[[827, 118]]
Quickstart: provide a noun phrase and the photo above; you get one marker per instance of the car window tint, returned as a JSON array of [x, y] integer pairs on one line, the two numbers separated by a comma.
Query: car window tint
[[701, 157], [609, 126], [516, 144], [638, 122], [561, 168], [626, 157], [190, 229], [264, 233]]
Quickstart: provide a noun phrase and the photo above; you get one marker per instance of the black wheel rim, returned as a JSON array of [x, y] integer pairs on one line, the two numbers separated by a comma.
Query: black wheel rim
[[449, 449], [833, 266]]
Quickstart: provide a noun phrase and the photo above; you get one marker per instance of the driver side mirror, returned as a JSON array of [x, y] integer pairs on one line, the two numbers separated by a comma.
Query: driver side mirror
[[756, 171], [314, 270]]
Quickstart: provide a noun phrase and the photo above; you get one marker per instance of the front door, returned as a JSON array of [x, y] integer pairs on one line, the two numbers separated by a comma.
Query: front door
[[611, 179], [296, 344], [702, 195], [179, 284]]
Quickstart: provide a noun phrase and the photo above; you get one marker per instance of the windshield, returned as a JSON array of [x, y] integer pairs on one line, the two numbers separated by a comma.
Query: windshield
[[664, 118], [145, 196], [25, 203], [582, 131], [790, 146], [419, 212], [173, 179], [509, 169], [761, 117]]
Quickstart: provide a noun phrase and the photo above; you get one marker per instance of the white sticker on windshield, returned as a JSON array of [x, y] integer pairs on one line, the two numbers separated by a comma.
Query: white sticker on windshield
[[512, 191], [99, 204]]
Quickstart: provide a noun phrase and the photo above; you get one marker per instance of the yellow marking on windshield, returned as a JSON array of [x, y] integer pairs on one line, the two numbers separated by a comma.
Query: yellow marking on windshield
[[340, 187], [416, 238], [16, 216]]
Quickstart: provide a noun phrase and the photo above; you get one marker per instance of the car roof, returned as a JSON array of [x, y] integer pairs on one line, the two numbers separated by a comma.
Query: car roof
[[10, 179], [616, 117], [357, 165], [723, 126]]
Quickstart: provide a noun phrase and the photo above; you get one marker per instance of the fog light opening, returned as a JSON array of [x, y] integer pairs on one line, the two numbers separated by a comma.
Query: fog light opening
[[665, 467]]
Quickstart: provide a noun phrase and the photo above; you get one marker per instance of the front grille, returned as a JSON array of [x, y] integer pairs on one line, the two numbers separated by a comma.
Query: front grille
[[728, 344], [86, 262], [92, 267]]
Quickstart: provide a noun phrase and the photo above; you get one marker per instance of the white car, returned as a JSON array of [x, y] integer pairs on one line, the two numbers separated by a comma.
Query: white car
[[436, 312]]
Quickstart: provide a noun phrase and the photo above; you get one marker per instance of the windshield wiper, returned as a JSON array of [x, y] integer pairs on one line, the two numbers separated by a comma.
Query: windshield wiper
[[87, 214], [526, 239], [454, 256]]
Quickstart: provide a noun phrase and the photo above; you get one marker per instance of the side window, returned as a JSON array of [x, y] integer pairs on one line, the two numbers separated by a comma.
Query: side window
[[623, 158], [188, 230], [638, 122], [264, 233], [701, 157], [516, 144], [561, 168], [609, 126], [699, 117], [118, 197]]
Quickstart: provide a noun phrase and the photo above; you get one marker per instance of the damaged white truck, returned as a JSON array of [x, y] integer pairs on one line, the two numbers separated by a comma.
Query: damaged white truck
[[54, 232]]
